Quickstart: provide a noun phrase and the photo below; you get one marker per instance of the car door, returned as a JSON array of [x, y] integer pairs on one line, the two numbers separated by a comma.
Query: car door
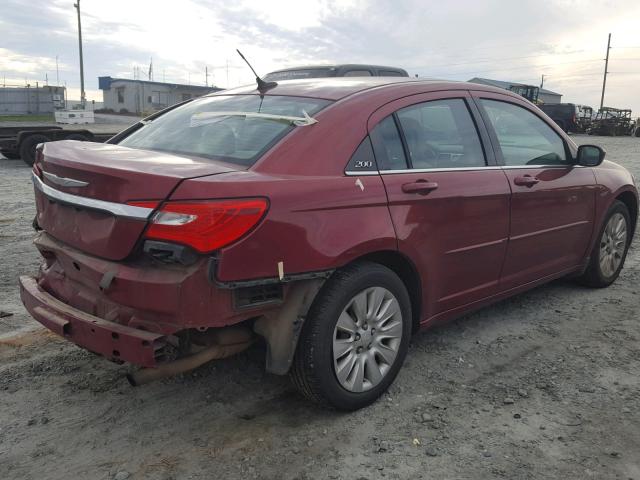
[[553, 200], [448, 200]]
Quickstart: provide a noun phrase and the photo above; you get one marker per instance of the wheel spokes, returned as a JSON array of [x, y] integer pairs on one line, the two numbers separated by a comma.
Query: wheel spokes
[[613, 244], [373, 373], [359, 308], [374, 302], [366, 339], [346, 323], [345, 367]]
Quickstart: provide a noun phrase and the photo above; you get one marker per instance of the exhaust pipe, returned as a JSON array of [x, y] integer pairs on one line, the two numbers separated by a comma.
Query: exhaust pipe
[[228, 343]]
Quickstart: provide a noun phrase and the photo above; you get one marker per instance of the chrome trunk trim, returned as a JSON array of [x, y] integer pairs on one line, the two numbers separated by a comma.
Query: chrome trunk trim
[[63, 181], [117, 209]]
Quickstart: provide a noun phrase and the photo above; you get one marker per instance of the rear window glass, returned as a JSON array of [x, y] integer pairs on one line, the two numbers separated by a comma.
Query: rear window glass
[[357, 73], [392, 73], [238, 139]]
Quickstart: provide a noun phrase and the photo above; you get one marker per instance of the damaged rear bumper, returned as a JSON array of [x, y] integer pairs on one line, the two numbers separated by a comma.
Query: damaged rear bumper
[[112, 340]]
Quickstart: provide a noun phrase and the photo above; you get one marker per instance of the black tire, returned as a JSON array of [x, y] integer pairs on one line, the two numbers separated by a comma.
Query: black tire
[[593, 275], [313, 371], [637, 133], [77, 136], [28, 147]]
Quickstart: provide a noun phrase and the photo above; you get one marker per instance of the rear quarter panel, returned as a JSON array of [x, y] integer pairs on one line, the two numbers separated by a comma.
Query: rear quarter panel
[[313, 223]]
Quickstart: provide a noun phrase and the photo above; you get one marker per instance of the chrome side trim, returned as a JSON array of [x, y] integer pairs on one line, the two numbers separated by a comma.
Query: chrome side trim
[[118, 209], [450, 169], [351, 173], [460, 169], [528, 167], [476, 246], [548, 230], [63, 181]]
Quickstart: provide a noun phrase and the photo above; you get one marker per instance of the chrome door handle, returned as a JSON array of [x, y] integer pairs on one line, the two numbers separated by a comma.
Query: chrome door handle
[[421, 187], [525, 181]]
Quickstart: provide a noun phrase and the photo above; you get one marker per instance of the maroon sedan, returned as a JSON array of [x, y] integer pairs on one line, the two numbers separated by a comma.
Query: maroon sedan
[[329, 219]]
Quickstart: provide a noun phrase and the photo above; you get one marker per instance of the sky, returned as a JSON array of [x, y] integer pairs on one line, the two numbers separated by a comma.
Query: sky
[[565, 40]]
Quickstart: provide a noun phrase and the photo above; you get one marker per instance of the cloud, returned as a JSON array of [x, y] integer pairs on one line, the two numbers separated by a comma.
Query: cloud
[[563, 39]]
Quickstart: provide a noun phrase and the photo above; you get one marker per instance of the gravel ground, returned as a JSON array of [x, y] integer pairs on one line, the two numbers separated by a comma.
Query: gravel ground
[[544, 385]]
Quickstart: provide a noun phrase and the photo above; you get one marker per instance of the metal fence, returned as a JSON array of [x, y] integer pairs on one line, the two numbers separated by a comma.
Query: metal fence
[[21, 100]]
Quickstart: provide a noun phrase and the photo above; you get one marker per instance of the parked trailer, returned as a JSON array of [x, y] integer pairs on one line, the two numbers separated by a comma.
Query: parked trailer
[[21, 142]]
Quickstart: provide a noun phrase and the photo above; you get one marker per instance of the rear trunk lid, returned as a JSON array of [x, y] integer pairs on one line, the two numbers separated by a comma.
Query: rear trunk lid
[[84, 191]]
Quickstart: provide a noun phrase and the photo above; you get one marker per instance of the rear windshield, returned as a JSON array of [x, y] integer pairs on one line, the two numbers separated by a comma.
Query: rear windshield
[[234, 138]]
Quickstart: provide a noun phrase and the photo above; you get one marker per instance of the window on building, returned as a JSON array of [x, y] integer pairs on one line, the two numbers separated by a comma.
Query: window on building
[[120, 94]]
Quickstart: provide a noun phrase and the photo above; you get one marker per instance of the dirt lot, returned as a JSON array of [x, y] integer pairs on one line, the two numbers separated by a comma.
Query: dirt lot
[[545, 385]]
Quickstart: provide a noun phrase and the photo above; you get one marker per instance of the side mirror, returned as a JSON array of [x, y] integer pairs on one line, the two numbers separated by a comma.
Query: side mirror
[[590, 155]]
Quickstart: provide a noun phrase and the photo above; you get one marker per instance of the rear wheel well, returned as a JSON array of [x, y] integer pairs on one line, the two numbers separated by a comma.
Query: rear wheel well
[[631, 202], [407, 272]]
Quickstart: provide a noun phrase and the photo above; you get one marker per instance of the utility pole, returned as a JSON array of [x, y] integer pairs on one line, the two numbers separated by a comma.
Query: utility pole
[[206, 76], [57, 72], [606, 66], [542, 81], [82, 96]]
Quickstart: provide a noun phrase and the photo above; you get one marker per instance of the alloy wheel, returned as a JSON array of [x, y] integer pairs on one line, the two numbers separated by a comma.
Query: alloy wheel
[[366, 339], [613, 244]]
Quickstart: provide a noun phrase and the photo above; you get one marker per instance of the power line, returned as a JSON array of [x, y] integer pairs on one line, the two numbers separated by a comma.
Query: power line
[[521, 67], [492, 60]]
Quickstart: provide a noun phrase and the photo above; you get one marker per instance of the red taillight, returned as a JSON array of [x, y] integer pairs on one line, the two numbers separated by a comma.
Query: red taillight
[[206, 225]]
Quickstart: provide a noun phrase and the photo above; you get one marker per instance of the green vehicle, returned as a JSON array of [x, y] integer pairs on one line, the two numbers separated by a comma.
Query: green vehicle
[[613, 122]]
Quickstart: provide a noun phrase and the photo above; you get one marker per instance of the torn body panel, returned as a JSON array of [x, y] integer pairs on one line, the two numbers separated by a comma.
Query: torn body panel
[[281, 329], [140, 311]]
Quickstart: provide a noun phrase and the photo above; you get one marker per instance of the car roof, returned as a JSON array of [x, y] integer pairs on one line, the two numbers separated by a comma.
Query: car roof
[[336, 88]]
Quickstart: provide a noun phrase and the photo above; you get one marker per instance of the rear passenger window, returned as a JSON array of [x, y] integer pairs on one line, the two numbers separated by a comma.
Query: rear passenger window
[[358, 73], [363, 160], [388, 145], [390, 73], [441, 134], [524, 138]]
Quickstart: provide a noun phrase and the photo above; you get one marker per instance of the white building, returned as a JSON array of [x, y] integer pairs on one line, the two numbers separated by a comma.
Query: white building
[[544, 95], [124, 95], [29, 99]]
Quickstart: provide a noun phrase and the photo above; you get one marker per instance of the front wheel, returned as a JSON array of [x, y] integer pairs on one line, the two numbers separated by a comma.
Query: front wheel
[[610, 251], [355, 338]]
